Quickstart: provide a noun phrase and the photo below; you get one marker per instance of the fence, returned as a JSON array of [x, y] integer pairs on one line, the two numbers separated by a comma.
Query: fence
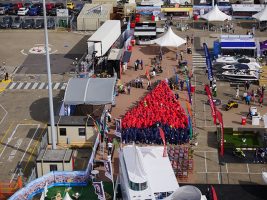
[[57, 178]]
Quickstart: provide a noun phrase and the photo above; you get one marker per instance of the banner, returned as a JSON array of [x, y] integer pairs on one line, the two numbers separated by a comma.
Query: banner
[[162, 135], [220, 119], [108, 169], [190, 127], [188, 107], [118, 127], [99, 190], [189, 91], [212, 106], [208, 61]]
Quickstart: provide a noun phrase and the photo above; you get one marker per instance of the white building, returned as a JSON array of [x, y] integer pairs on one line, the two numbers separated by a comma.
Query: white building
[[146, 174]]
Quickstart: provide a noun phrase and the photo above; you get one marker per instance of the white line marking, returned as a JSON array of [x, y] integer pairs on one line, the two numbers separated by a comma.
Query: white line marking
[[12, 85], [248, 168], [19, 86], [41, 86], [34, 86], [229, 173], [22, 51], [226, 166], [4, 115], [56, 86], [27, 85], [38, 126], [205, 154], [9, 140], [219, 179]]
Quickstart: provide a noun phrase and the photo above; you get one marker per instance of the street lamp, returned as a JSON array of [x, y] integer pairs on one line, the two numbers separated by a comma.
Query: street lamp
[[50, 94]]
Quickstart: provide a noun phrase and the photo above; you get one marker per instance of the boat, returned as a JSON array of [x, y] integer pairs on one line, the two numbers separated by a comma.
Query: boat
[[241, 75], [241, 66], [234, 59]]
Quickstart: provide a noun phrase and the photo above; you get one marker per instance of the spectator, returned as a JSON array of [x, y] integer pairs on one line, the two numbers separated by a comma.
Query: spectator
[[110, 145], [136, 65], [129, 89], [141, 64], [261, 100], [237, 92]]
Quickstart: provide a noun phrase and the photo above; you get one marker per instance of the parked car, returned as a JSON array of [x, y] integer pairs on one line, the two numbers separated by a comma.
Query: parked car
[[51, 23], [39, 24], [49, 6], [34, 10], [18, 5], [28, 5], [52, 12], [3, 10], [16, 23], [70, 5], [59, 6], [7, 5], [13, 10], [23, 11], [6, 22], [28, 23]]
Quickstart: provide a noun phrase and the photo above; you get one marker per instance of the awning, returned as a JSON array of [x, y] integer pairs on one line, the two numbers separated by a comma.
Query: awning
[[90, 91], [126, 56], [238, 42], [177, 9], [115, 54]]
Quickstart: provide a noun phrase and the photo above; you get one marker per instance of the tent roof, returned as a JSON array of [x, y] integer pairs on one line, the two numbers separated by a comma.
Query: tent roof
[[169, 39], [93, 91], [262, 15], [216, 15], [187, 192]]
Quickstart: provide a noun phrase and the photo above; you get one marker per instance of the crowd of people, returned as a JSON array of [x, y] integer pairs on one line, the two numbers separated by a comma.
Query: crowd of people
[[159, 108], [251, 95]]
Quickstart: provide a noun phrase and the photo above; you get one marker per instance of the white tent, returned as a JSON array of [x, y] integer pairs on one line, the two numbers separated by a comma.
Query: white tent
[[67, 197], [215, 15], [169, 39], [262, 15]]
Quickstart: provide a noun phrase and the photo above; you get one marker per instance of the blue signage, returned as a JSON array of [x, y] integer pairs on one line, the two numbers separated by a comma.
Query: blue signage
[[208, 62]]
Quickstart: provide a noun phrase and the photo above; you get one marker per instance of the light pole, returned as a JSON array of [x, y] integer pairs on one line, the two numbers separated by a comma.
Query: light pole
[[50, 94]]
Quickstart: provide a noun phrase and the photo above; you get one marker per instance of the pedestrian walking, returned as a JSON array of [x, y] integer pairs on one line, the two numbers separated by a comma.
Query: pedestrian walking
[[177, 55], [136, 65], [129, 89], [261, 100], [110, 145], [181, 55], [182, 85], [141, 64], [237, 92], [6, 76]]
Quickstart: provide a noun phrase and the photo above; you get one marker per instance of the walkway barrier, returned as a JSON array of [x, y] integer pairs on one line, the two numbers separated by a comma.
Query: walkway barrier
[[57, 178]]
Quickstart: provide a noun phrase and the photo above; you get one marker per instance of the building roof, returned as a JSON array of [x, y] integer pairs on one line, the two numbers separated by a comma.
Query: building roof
[[148, 163], [95, 10], [54, 155], [91, 91]]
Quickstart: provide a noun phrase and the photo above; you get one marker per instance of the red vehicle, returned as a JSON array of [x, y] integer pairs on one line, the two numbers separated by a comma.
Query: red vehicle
[[18, 5], [49, 6]]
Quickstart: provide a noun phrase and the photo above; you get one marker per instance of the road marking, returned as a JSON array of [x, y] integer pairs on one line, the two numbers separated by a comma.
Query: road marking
[[38, 126], [37, 141], [27, 85], [56, 86], [248, 168], [206, 168], [2, 140], [12, 85], [34, 86], [4, 115], [41, 86], [22, 51], [19, 86], [226, 166]]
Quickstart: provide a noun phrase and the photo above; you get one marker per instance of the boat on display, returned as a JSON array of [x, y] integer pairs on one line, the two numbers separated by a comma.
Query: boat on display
[[241, 75], [234, 59], [241, 66]]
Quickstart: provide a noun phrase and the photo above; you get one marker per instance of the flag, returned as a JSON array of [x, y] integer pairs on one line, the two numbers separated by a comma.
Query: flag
[[212, 106], [99, 190], [220, 119], [188, 91], [214, 194], [188, 106], [108, 169], [44, 192], [162, 135], [208, 61], [118, 127], [190, 127]]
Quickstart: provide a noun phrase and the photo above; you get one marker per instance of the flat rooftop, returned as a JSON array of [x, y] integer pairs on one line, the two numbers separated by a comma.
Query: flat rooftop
[[54, 155]]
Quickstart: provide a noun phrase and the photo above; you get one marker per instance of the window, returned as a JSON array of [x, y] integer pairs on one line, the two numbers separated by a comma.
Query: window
[[53, 168], [81, 131], [62, 131]]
